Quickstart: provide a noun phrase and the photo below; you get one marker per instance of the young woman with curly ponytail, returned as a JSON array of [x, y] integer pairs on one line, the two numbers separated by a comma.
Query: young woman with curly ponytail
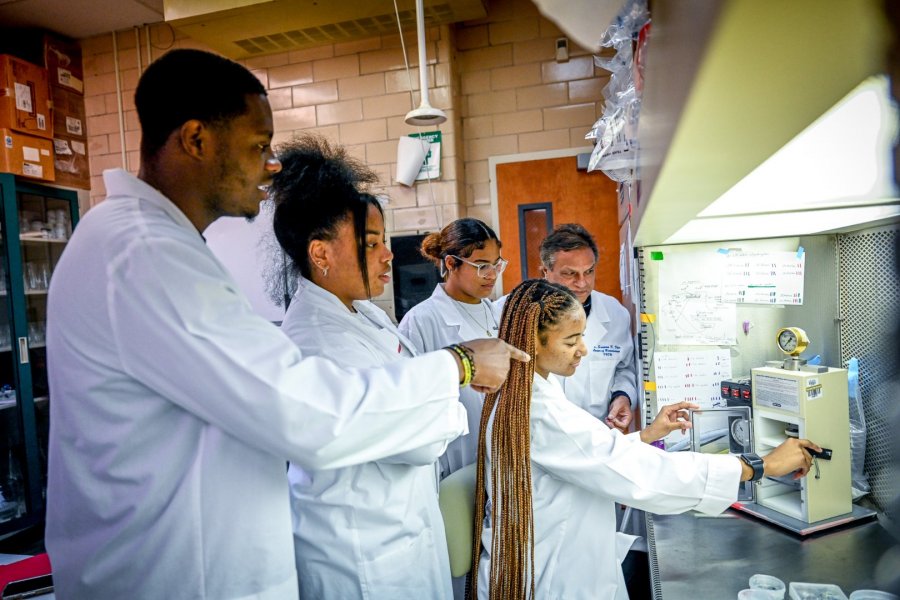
[[467, 254]]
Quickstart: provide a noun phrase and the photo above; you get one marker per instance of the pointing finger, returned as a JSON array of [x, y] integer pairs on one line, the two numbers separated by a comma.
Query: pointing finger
[[517, 354]]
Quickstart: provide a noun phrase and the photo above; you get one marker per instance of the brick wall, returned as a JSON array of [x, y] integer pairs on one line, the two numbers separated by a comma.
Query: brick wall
[[496, 78], [514, 96]]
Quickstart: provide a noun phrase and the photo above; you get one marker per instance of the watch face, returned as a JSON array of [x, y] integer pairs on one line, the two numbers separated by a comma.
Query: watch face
[[787, 341]]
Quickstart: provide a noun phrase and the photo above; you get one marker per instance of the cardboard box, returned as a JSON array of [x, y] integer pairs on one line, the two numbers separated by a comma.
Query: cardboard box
[[70, 161], [69, 118], [63, 62], [61, 57], [26, 155], [24, 97]]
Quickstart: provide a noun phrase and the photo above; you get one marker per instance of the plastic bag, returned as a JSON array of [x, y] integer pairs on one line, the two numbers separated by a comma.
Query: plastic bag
[[615, 133], [859, 483]]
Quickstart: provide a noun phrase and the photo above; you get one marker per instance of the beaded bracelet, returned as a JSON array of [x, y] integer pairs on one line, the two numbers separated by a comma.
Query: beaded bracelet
[[470, 355], [467, 361]]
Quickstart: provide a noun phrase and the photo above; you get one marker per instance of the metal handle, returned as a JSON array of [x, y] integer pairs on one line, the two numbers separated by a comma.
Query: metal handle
[[23, 350]]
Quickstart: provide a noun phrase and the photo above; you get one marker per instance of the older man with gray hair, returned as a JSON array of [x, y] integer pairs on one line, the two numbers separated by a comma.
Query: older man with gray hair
[[605, 384]]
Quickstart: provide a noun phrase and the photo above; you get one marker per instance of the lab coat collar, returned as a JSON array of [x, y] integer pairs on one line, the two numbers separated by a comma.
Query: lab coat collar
[[598, 307], [451, 314], [319, 295], [120, 182], [549, 386]]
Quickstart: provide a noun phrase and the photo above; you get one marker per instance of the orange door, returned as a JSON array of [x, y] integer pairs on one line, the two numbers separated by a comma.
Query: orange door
[[536, 195]]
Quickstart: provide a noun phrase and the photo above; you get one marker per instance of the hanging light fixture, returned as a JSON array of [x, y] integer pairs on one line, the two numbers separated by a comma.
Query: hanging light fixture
[[425, 114]]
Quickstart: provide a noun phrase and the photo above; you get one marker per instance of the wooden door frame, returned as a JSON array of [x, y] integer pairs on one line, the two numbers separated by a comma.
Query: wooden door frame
[[493, 161]]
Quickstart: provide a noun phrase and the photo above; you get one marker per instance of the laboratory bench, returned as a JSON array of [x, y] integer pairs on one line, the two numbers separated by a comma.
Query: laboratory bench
[[694, 556]]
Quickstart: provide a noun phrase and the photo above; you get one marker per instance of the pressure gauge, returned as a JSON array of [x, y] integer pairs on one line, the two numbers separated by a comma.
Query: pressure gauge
[[791, 340], [740, 431]]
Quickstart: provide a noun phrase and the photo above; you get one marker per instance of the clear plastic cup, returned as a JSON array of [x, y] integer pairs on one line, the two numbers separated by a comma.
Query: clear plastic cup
[[754, 595], [771, 585], [800, 590], [871, 595]]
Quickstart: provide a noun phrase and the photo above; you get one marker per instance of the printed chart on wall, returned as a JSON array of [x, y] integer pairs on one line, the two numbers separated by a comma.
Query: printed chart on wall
[[691, 308], [692, 376], [764, 277]]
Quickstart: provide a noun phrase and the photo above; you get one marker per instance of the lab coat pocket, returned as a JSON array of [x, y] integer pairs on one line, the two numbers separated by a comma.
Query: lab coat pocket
[[405, 570], [602, 369]]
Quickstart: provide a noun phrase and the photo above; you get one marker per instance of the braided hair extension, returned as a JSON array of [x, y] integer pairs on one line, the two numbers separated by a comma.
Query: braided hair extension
[[531, 308]]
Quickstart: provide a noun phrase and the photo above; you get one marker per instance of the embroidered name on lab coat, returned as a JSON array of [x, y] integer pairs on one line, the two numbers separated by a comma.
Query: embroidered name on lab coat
[[608, 350]]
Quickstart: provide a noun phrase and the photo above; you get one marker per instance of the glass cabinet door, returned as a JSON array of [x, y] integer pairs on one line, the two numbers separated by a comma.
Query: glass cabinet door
[[45, 224], [36, 222], [12, 448]]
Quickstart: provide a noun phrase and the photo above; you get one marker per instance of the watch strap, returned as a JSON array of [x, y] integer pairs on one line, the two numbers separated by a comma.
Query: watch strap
[[756, 463]]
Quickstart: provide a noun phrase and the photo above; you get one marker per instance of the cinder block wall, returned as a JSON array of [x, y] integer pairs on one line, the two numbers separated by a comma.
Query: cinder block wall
[[514, 96], [497, 79]]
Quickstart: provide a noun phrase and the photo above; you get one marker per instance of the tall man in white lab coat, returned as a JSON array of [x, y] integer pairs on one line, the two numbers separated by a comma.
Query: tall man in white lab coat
[[605, 383], [173, 405]]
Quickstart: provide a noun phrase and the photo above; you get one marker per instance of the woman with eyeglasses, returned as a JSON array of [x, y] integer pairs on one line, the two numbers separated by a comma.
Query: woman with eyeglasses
[[467, 252]]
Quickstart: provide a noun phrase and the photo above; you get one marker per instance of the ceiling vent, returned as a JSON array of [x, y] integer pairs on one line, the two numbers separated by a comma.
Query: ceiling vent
[[246, 28]]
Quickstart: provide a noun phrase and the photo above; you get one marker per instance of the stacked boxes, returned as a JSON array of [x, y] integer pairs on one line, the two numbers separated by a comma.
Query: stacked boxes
[[63, 62], [26, 125], [70, 138], [26, 155], [43, 101]]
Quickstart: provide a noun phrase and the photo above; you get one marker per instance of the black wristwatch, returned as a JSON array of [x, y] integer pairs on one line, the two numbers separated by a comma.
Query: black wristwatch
[[755, 463]]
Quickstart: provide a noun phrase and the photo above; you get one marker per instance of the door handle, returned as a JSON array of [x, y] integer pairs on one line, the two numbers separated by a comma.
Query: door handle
[[23, 350]]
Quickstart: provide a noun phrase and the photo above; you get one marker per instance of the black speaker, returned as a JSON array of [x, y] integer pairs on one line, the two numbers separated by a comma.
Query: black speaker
[[414, 275]]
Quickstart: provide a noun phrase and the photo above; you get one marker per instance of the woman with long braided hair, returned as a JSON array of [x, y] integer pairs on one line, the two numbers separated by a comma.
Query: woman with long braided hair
[[549, 473]]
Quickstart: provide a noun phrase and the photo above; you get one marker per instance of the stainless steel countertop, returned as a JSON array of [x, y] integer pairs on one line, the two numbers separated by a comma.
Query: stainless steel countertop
[[699, 558]]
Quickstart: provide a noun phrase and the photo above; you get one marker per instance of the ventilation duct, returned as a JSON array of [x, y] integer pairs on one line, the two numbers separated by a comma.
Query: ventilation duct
[[246, 28]]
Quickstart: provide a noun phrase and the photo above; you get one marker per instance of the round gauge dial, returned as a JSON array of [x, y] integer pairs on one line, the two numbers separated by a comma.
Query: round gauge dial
[[792, 340], [740, 431]]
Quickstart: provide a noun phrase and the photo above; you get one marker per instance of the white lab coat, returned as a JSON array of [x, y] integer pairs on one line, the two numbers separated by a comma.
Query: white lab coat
[[374, 530], [174, 407], [610, 365], [579, 469], [435, 323]]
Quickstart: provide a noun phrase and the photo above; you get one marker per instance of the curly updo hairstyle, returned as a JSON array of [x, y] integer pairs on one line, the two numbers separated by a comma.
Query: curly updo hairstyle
[[319, 187]]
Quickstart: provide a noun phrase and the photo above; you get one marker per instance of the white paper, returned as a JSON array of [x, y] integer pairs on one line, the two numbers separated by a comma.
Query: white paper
[[78, 147], [73, 126], [410, 156], [31, 154], [23, 98], [691, 311], [764, 277], [61, 147], [32, 170], [692, 377]]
